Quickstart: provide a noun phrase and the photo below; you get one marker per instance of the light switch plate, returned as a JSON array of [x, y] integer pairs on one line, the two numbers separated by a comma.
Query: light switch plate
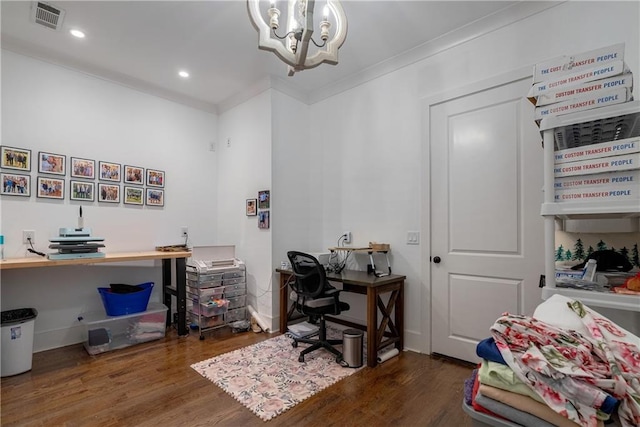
[[413, 237]]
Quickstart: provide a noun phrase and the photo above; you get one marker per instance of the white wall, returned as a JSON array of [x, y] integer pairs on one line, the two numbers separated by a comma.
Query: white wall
[[371, 141], [54, 109], [244, 169], [296, 212]]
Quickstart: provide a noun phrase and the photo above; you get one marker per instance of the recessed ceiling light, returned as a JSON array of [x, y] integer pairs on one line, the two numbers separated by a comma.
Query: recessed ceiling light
[[77, 33], [183, 74]]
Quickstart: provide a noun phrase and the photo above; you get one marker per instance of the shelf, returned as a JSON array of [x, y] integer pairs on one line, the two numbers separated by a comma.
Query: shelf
[[32, 262], [597, 299], [592, 209], [626, 108], [604, 124]]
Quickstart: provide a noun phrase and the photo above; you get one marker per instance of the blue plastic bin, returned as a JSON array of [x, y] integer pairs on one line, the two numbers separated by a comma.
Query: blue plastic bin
[[120, 304]]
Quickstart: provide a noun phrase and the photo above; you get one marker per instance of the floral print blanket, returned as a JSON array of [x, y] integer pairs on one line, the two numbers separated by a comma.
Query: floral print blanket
[[584, 377]]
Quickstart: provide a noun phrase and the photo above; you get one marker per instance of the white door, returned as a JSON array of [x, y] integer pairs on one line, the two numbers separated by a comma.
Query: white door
[[486, 229]]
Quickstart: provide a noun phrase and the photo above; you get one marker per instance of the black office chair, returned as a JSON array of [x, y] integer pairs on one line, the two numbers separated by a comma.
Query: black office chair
[[313, 296]]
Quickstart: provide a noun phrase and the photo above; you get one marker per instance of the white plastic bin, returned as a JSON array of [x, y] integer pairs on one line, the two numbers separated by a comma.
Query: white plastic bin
[[17, 340]]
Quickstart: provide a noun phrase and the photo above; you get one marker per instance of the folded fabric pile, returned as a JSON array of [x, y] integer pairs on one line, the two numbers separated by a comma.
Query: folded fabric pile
[[565, 366], [148, 327]]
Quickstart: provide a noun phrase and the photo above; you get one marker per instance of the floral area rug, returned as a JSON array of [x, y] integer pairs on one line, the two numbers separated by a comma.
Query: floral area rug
[[268, 379]]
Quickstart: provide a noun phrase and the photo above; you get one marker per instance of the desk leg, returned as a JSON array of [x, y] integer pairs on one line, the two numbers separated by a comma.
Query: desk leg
[[372, 328], [181, 288], [166, 282], [399, 316], [284, 303]]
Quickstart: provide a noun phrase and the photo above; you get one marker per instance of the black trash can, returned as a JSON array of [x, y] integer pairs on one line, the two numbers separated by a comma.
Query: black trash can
[[352, 347], [17, 340]]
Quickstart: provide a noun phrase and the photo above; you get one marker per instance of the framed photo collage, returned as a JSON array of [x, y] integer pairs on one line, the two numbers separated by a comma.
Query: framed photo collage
[[89, 180]]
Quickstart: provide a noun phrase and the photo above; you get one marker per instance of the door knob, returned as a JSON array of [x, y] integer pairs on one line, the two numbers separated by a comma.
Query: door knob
[[436, 259]]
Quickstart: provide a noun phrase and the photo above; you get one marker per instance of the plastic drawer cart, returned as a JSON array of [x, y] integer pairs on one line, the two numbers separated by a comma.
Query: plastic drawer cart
[[216, 293]]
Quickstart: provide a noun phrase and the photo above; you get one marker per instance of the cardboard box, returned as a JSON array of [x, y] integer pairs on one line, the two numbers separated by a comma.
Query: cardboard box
[[585, 102], [579, 61], [594, 151], [624, 80], [611, 180], [603, 71], [598, 165], [628, 192]]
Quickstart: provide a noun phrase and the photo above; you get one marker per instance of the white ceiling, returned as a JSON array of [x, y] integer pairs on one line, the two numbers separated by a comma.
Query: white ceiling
[[144, 43]]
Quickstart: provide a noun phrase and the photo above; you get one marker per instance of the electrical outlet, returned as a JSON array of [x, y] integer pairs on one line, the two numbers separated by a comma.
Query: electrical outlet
[[28, 234], [347, 237], [184, 231]]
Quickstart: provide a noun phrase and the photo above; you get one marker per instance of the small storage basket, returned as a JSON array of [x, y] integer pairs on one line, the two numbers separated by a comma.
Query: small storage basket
[[116, 304]]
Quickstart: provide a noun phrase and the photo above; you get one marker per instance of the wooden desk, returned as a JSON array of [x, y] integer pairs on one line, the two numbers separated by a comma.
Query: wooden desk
[[373, 287], [180, 290]]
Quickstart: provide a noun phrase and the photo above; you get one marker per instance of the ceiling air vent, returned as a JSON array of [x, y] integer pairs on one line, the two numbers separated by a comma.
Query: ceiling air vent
[[47, 15]]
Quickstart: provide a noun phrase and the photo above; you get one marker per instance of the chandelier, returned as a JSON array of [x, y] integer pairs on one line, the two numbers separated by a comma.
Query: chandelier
[[295, 44]]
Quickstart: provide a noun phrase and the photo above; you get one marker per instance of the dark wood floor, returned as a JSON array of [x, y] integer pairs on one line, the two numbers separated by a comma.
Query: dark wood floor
[[152, 384]]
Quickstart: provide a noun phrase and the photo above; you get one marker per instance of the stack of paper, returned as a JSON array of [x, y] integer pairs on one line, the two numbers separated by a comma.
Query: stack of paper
[[302, 330]]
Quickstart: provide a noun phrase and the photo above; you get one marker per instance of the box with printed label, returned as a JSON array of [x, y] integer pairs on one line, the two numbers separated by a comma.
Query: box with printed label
[[105, 333], [611, 180], [599, 165], [602, 71], [624, 80], [625, 192], [584, 102], [578, 61], [593, 151]]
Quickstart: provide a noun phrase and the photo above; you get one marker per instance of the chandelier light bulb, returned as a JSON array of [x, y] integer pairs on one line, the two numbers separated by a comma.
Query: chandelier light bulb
[[274, 14], [325, 12]]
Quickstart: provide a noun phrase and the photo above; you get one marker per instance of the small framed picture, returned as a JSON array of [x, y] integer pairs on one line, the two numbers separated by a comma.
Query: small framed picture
[[82, 168], [155, 197], [263, 220], [252, 209], [155, 178], [109, 193], [133, 175], [15, 184], [263, 199], [82, 190], [50, 188], [52, 163], [133, 195], [109, 171], [15, 158]]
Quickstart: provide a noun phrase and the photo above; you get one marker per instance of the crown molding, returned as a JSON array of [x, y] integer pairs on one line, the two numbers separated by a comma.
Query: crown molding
[[474, 30], [269, 82]]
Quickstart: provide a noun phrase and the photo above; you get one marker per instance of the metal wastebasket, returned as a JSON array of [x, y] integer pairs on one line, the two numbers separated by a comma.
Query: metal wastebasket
[[17, 340], [352, 347]]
